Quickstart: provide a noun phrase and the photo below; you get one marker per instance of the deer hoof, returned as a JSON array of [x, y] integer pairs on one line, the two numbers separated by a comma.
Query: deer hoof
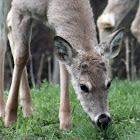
[[27, 108], [65, 121], [27, 111], [10, 117]]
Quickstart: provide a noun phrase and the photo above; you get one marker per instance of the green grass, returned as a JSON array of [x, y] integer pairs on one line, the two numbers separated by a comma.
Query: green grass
[[124, 103]]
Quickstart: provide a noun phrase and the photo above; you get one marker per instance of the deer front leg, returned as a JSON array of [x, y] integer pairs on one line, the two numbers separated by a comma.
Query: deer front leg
[[65, 110], [25, 96], [21, 30]]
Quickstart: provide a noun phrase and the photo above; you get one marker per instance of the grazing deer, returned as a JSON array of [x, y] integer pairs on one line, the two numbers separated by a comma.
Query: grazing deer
[[111, 17], [76, 47]]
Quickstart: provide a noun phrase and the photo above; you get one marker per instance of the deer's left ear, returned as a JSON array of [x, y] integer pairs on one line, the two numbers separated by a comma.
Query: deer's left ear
[[112, 44], [63, 50]]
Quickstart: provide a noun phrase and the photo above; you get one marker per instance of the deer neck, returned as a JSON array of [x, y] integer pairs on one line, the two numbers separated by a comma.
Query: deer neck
[[73, 20]]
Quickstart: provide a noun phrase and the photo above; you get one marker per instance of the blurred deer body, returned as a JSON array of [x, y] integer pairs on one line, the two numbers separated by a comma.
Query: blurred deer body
[[76, 47], [114, 13]]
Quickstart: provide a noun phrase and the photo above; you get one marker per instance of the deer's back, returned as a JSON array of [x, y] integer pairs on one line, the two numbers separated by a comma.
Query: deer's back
[[72, 19]]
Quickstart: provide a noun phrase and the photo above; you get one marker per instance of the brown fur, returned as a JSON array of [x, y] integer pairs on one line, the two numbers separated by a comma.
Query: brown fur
[[75, 44]]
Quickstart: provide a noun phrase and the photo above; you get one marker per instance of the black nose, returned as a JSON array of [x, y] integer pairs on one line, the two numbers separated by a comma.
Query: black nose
[[103, 121]]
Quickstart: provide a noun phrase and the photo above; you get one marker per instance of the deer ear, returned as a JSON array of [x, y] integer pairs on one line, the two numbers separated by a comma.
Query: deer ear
[[63, 50], [112, 44]]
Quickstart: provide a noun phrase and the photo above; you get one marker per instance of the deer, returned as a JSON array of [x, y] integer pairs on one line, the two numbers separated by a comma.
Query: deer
[[79, 54], [111, 17]]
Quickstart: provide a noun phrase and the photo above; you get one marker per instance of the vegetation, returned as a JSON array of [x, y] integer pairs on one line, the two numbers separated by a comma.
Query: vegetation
[[124, 103]]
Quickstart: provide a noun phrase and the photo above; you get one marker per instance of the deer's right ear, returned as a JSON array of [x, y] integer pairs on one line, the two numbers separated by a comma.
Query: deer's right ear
[[63, 50]]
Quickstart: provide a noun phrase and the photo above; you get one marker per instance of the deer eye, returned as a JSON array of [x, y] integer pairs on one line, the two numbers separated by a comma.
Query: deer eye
[[84, 88], [108, 84]]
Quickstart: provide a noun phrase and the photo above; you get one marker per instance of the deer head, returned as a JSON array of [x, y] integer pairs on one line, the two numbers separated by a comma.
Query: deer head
[[89, 73]]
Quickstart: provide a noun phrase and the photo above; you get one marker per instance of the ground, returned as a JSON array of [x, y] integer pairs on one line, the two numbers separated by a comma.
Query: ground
[[124, 104]]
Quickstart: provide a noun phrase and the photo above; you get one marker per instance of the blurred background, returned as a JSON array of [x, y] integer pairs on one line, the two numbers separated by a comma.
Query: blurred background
[[43, 64]]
